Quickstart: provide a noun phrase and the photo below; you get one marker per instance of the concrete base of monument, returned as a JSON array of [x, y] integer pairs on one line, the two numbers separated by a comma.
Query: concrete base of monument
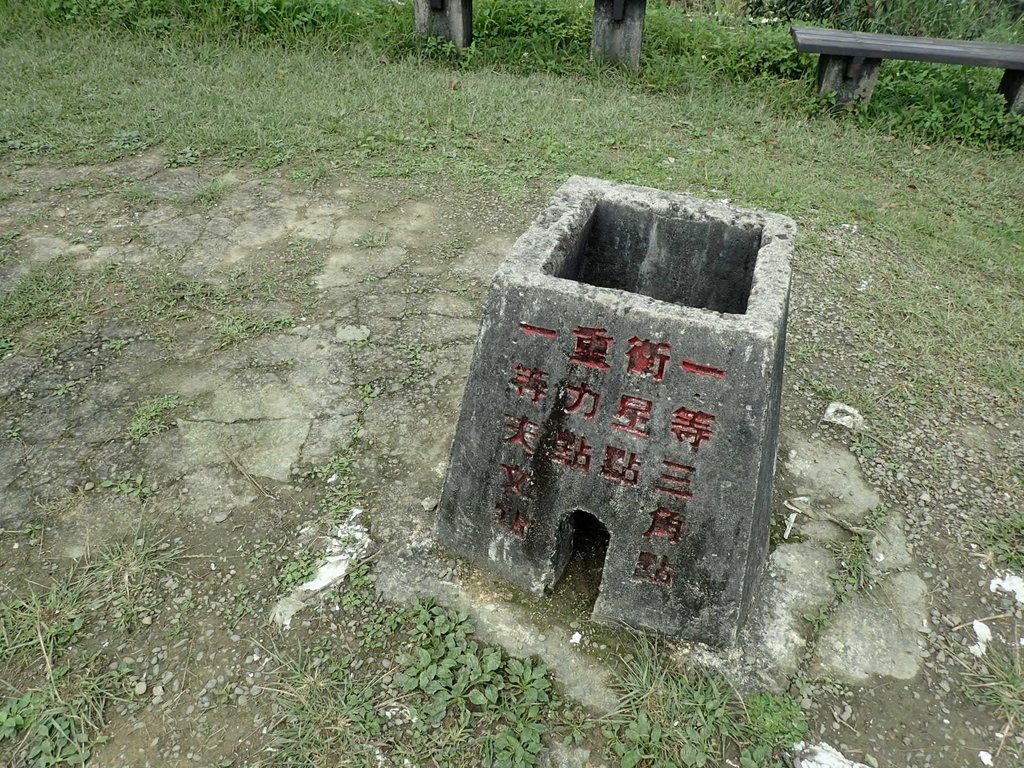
[[798, 621], [803, 619]]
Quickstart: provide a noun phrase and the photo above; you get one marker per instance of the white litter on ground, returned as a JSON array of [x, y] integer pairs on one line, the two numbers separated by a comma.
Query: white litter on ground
[[819, 756], [984, 635], [347, 543], [986, 758], [1009, 582], [844, 415], [575, 639]]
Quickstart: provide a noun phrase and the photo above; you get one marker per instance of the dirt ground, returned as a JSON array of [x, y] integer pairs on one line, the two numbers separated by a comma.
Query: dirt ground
[[201, 355]]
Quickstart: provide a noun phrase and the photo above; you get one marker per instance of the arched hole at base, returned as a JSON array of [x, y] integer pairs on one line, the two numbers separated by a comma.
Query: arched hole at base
[[578, 588]]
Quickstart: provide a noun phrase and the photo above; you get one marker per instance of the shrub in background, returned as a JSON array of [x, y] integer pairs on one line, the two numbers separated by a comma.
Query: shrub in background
[[704, 40], [958, 19]]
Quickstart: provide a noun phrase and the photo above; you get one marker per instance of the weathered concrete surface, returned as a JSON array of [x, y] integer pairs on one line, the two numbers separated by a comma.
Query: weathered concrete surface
[[424, 302], [629, 366], [775, 638], [874, 633], [878, 633], [825, 483], [618, 40]]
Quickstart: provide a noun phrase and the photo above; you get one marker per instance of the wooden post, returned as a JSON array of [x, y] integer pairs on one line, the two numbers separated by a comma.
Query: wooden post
[[1012, 87], [618, 31], [450, 19], [849, 77]]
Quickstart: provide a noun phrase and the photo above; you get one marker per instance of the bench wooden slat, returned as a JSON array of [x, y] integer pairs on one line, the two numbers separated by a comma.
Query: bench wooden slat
[[835, 42]]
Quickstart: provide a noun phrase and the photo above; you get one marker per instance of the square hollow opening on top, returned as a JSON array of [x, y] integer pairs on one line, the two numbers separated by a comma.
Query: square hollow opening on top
[[702, 263]]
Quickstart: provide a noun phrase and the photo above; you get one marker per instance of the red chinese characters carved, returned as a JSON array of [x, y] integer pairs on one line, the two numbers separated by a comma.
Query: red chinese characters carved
[[620, 466], [516, 479], [665, 524], [530, 382], [676, 479], [693, 427], [648, 358], [513, 521], [704, 370], [548, 333], [572, 450], [592, 346], [651, 568], [633, 415], [583, 399], [523, 431]]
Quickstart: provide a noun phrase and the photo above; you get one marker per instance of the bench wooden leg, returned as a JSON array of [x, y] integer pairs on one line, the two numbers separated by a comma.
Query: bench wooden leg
[[1012, 87], [849, 77], [450, 19], [618, 31]]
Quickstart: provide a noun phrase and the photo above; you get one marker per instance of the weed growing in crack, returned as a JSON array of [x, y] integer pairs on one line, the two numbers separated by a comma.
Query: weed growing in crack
[[378, 239], [819, 621], [853, 560], [149, 417], [996, 680], [340, 492], [313, 175], [210, 194], [236, 328], [182, 158], [368, 393], [876, 517], [116, 345]]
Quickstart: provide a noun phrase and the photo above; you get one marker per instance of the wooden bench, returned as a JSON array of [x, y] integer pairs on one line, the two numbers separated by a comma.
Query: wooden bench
[[617, 36], [849, 61]]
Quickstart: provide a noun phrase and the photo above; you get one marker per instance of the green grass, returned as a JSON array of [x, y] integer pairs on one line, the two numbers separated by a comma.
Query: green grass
[[448, 697], [691, 717], [940, 240], [236, 327], [1004, 538], [47, 305], [996, 680], [149, 417], [853, 566], [58, 682]]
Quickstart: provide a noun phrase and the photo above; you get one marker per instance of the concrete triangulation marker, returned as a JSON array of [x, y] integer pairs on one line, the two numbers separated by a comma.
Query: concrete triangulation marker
[[628, 374]]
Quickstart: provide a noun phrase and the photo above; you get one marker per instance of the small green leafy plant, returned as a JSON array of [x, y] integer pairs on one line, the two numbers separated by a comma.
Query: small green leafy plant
[[150, 417], [130, 485]]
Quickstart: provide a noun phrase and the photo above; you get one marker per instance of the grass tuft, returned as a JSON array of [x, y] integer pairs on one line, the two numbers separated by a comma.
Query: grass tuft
[[150, 417], [58, 687], [693, 717], [1004, 538], [996, 680]]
